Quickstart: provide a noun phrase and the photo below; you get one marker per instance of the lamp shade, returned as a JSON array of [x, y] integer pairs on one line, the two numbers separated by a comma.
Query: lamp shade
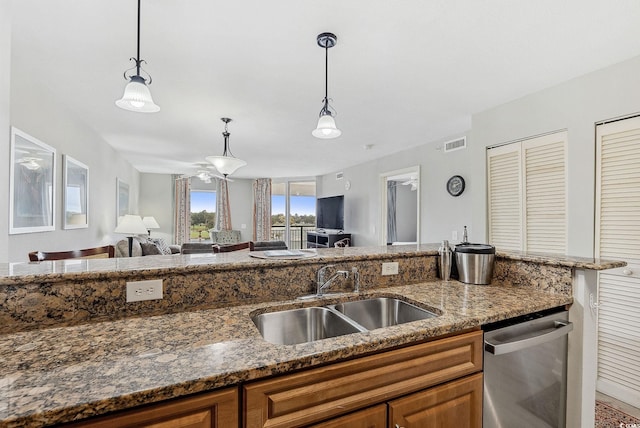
[[150, 222], [226, 165], [137, 97], [131, 225], [326, 128]]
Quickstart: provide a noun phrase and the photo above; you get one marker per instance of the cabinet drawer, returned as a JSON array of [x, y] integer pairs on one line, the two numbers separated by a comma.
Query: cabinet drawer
[[318, 394]]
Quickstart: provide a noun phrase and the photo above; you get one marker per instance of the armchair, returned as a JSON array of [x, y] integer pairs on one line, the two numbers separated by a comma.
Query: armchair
[[224, 236]]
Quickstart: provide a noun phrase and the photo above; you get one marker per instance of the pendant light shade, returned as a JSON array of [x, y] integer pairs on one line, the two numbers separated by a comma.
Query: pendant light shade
[[137, 96], [326, 127], [326, 123], [226, 164]]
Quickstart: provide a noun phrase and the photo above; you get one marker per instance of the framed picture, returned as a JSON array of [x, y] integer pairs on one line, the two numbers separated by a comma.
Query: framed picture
[[76, 194], [122, 199], [31, 184]]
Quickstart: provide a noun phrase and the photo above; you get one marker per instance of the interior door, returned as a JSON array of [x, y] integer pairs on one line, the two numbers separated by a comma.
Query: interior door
[[618, 237]]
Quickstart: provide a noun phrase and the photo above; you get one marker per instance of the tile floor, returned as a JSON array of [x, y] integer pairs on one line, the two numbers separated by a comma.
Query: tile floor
[[612, 413]]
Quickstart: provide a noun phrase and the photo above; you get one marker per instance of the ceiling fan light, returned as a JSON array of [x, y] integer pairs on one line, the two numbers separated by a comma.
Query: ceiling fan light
[[226, 165], [326, 128], [137, 97]]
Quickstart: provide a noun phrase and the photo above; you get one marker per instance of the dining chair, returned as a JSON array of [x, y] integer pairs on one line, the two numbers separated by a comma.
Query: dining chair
[[107, 251]]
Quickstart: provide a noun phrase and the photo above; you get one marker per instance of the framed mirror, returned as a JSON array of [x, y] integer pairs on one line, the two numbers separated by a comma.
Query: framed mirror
[[76, 194], [122, 199], [32, 184]]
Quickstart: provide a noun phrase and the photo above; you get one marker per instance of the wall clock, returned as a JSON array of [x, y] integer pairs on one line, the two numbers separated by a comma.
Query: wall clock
[[455, 185]]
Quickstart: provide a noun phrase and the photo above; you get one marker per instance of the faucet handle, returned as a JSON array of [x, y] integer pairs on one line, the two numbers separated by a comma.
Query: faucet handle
[[356, 279]]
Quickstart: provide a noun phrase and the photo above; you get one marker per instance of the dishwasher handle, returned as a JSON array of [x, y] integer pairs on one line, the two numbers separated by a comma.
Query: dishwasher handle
[[559, 329]]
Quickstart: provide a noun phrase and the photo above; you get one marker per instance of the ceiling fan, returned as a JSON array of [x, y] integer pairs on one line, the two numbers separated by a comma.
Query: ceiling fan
[[413, 182], [205, 173]]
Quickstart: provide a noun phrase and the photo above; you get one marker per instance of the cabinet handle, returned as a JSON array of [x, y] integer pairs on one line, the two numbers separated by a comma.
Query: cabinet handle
[[627, 272]]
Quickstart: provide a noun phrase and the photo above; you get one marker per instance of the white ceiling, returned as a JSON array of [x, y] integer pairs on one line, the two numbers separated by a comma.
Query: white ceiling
[[404, 72]]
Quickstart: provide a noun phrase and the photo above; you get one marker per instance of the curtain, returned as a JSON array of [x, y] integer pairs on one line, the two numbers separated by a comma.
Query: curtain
[[223, 208], [392, 229], [182, 193], [262, 209]]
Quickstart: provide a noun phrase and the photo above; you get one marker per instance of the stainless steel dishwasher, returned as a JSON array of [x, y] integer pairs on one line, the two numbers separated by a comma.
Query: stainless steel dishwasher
[[525, 376]]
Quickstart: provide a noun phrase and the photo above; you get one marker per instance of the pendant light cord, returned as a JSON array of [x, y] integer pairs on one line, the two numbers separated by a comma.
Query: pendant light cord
[[138, 52], [326, 71]]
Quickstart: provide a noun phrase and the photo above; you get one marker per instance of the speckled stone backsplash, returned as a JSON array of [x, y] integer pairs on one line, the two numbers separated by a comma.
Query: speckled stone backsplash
[[64, 293], [540, 277], [38, 305]]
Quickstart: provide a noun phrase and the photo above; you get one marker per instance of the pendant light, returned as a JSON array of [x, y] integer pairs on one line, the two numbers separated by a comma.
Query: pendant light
[[326, 124], [137, 96], [227, 163]]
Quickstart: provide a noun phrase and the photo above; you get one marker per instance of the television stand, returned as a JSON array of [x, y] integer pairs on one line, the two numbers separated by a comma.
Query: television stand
[[326, 239]]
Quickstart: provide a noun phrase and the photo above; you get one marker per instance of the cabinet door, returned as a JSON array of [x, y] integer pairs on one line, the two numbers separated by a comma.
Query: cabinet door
[[455, 404], [322, 393], [373, 417], [218, 409]]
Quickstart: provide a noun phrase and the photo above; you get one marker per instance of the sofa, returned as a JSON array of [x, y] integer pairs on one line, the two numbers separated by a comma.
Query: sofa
[[145, 246]]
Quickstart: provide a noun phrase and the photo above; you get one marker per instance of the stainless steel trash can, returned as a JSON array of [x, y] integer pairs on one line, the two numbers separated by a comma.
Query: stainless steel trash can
[[475, 262]]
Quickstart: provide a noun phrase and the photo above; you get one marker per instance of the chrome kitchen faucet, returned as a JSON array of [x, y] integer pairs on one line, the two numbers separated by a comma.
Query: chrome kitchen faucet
[[322, 284]]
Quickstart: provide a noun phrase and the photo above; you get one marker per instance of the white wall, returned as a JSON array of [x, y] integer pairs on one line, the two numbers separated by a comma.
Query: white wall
[[5, 138], [440, 212], [576, 106], [241, 197], [37, 112], [157, 200]]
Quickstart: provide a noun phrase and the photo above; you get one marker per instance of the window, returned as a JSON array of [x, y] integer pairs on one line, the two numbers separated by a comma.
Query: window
[[203, 213], [527, 195], [293, 211]]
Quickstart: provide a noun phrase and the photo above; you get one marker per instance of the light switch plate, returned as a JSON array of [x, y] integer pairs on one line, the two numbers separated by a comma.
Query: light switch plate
[[144, 290], [390, 268]]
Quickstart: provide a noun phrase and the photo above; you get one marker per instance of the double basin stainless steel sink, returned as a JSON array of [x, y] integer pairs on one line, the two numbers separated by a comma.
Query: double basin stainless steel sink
[[290, 327]]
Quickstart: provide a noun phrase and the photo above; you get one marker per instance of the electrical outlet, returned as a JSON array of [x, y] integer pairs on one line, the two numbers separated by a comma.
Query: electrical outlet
[[454, 235], [144, 290], [390, 268]]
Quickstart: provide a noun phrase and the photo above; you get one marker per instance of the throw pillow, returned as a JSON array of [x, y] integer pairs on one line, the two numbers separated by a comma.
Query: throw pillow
[[150, 249], [162, 245]]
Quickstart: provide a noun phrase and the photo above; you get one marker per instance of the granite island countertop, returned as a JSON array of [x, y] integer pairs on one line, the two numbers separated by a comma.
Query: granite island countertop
[[100, 269], [62, 374]]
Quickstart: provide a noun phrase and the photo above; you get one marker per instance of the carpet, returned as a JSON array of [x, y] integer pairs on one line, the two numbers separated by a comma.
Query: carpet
[[610, 417]]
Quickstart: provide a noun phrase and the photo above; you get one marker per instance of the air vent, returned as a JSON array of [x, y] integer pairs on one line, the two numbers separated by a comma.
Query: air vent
[[458, 144], [339, 175]]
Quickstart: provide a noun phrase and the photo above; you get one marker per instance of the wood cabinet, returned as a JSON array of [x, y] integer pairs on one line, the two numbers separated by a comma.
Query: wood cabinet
[[210, 410], [316, 395], [454, 404], [373, 417], [437, 383]]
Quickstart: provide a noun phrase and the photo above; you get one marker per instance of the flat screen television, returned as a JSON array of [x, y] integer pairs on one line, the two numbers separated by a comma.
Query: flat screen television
[[330, 212]]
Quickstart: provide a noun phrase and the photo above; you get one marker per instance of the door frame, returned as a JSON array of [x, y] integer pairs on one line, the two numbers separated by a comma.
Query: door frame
[[413, 170]]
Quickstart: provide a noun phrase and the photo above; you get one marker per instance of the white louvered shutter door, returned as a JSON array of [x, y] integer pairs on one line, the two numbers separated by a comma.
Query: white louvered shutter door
[[545, 193], [504, 197], [618, 237]]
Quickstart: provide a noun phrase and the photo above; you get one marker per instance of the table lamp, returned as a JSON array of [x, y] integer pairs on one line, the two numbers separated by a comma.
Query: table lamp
[[150, 223], [131, 225]]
